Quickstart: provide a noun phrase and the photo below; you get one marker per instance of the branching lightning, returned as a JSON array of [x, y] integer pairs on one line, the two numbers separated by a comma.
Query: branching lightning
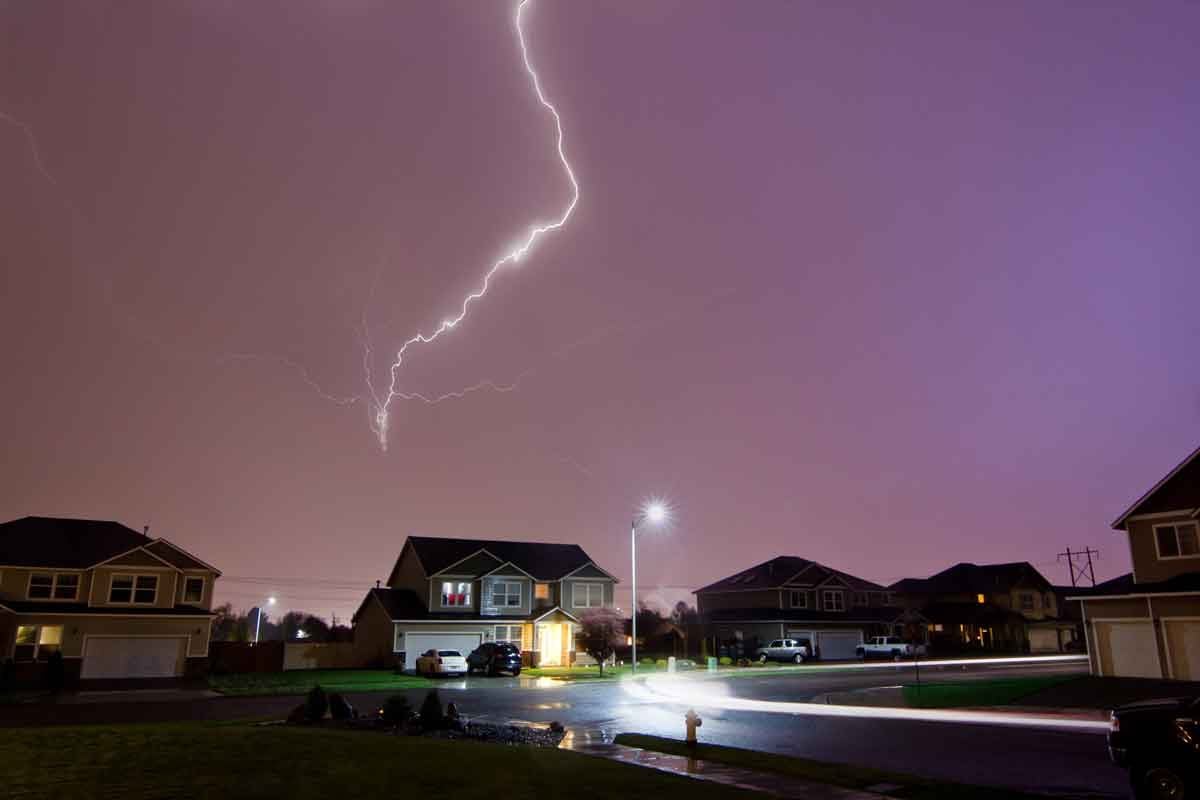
[[31, 140], [382, 404]]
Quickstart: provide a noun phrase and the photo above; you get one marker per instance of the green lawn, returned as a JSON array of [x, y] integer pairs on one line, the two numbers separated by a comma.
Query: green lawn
[[995, 692], [913, 788], [238, 761], [300, 681]]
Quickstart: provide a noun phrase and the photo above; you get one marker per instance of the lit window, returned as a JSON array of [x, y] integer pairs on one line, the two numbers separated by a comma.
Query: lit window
[[541, 591], [587, 595], [1177, 541], [833, 600], [456, 594], [509, 633], [37, 643], [193, 590], [137, 589], [980, 599], [798, 599], [506, 593]]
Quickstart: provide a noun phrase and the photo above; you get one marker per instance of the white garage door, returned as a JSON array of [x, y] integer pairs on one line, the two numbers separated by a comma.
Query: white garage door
[[417, 643], [1127, 649], [1043, 640], [133, 657], [1183, 643], [835, 645]]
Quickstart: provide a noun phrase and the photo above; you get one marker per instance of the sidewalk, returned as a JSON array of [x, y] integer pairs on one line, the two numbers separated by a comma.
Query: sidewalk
[[599, 743], [893, 697]]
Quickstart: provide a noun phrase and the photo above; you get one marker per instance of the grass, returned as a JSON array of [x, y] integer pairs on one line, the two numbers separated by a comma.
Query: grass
[[843, 775], [298, 682], [239, 762], [990, 692]]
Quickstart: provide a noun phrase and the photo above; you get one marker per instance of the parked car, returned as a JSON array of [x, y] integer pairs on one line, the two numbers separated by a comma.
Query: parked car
[[1158, 741], [889, 647], [493, 658], [794, 650], [441, 662]]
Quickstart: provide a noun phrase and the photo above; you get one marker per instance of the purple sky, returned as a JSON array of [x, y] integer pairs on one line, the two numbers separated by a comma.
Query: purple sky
[[886, 286]]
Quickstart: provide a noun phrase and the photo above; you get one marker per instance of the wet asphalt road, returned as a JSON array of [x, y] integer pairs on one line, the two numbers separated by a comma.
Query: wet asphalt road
[[1065, 763]]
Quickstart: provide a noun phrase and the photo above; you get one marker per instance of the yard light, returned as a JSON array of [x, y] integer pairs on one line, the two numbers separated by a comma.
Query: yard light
[[655, 512], [258, 618]]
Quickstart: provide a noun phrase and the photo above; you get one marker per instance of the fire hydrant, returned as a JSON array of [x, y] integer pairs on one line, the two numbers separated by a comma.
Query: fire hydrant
[[692, 721]]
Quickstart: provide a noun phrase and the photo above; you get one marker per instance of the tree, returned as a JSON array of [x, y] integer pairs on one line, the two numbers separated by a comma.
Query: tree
[[601, 632], [316, 628], [683, 614], [292, 625]]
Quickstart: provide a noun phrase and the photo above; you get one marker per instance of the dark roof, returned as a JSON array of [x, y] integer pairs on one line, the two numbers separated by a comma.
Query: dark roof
[[1178, 490], [777, 571], [1124, 584], [800, 615], [66, 543], [540, 559], [970, 613], [967, 578], [50, 607]]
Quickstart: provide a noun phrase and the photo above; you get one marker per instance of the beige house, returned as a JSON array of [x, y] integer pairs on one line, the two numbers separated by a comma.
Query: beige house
[[459, 593], [117, 604], [1147, 623]]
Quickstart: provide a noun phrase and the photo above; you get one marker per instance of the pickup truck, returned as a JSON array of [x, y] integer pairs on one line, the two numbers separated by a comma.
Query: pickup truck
[[889, 647], [795, 650]]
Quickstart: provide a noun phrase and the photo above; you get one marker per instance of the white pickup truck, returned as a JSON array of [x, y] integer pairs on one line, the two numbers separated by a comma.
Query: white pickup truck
[[889, 647]]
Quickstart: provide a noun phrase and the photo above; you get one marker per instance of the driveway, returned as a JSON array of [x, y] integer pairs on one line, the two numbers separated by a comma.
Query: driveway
[[1066, 763]]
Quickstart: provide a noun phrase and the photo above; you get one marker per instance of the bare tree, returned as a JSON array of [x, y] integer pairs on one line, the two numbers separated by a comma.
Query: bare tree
[[601, 632]]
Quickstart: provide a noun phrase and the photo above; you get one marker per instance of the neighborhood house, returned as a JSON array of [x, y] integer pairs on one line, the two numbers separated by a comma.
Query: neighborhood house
[[115, 603], [456, 594]]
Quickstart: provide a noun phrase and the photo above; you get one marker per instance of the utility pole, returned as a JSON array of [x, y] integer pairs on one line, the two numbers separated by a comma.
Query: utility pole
[[1082, 570]]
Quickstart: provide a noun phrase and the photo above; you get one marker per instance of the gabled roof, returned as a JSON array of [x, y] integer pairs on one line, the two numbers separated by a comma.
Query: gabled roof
[[1180, 489], [965, 578], [398, 603], [1125, 585], [542, 560], [64, 543], [775, 574]]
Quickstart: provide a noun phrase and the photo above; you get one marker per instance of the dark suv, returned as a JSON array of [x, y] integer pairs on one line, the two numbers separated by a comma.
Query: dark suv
[[494, 658], [1159, 741]]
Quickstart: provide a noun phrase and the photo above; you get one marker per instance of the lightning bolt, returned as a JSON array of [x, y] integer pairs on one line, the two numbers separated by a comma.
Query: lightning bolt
[[31, 140], [382, 404]]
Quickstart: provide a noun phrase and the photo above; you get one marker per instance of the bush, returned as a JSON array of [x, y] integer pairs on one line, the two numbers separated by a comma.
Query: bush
[[432, 717], [743, 662], [56, 673], [661, 663], [725, 661], [316, 704], [396, 710], [647, 662], [340, 708]]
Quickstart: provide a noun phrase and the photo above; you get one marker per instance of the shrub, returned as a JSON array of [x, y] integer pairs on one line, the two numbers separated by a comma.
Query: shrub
[[316, 704], [340, 708], [432, 717], [743, 662], [647, 662], [661, 663], [725, 661], [396, 710], [56, 673]]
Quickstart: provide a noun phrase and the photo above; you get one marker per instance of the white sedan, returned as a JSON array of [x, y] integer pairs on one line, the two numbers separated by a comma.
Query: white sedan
[[441, 662]]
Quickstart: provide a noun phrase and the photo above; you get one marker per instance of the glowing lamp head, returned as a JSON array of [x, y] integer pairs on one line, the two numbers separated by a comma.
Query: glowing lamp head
[[656, 512], [270, 601]]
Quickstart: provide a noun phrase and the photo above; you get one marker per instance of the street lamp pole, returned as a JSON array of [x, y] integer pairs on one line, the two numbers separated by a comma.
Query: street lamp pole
[[654, 512], [258, 618]]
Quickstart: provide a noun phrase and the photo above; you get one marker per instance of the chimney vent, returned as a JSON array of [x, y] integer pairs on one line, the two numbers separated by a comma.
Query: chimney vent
[[146, 531]]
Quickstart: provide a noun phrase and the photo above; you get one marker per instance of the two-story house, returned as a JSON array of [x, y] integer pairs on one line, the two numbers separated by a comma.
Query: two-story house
[[458, 593], [115, 603], [795, 598], [1147, 623], [1008, 607]]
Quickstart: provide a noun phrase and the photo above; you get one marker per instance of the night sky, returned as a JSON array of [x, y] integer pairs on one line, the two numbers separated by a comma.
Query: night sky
[[888, 286]]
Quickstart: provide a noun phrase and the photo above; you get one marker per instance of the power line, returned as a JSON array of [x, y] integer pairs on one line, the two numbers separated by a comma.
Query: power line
[[1080, 571]]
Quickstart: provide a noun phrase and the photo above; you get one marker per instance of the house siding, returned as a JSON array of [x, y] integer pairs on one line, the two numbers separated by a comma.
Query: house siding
[[568, 594], [1146, 564], [76, 628], [373, 636], [486, 608], [714, 601], [409, 575]]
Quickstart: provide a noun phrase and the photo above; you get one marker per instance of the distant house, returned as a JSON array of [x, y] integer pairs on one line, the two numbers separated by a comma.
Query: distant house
[[115, 603], [1147, 623], [458, 593], [795, 598], [1006, 607]]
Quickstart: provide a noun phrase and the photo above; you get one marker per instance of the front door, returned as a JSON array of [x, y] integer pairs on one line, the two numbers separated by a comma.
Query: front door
[[550, 644]]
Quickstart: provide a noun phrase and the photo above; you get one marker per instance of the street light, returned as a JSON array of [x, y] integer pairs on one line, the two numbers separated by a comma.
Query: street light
[[258, 618], [654, 512]]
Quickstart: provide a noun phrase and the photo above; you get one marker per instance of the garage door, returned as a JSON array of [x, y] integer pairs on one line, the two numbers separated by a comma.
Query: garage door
[[417, 643], [133, 657], [1043, 640], [1127, 649], [834, 645], [1183, 643]]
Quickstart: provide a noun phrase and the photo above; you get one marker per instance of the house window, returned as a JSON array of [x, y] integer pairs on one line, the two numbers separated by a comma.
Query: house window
[[889, 599], [980, 599], [37, 642], [587, 595], [833, 600], [1177, 541], [509, 633], [798, 599], [193, 590], [57, 586], [505, 593], [66, 586], [541, 591], [136, 589], [859, 598], [456, 593], [936, 627], [1026, 601], [41, 587]]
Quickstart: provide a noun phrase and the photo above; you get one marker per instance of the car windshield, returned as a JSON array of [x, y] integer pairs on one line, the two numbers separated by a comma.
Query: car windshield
[[775, 643], [449, 653], [506, 648]]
